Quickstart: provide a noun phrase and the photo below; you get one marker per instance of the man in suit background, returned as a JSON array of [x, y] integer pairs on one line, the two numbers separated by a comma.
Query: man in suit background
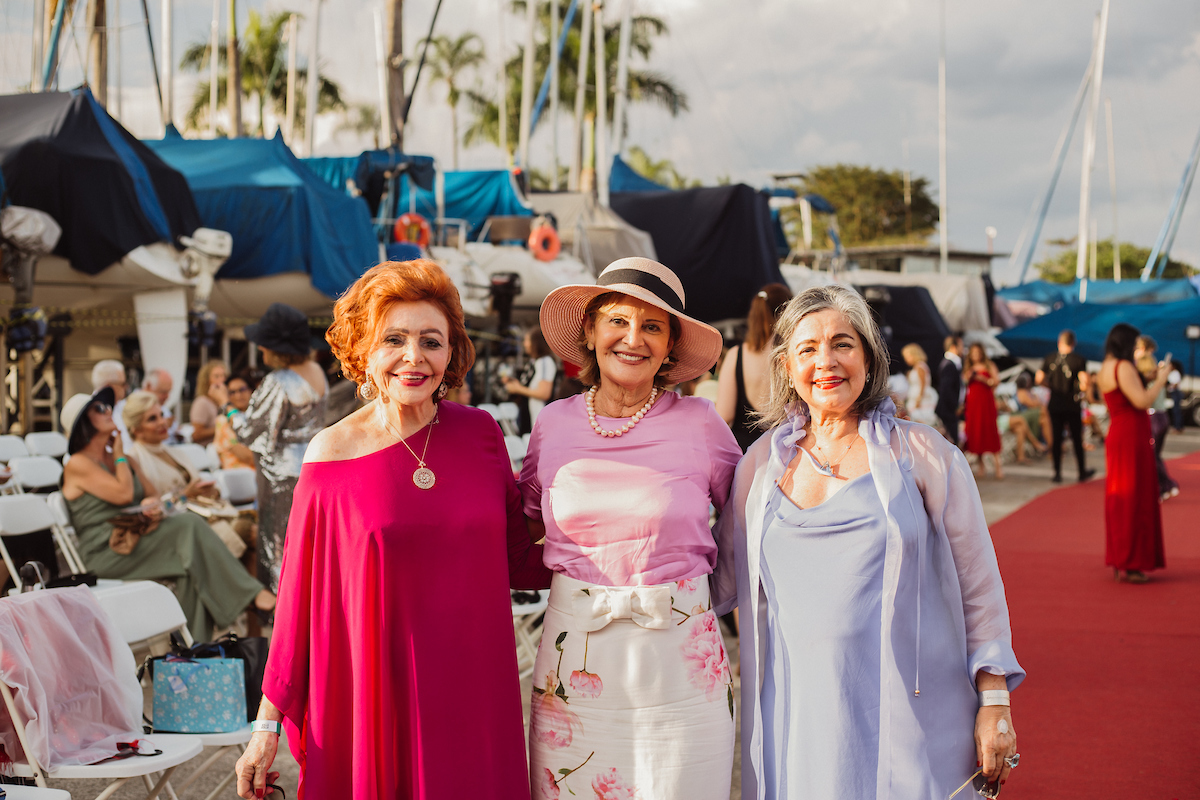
[[949, 386]]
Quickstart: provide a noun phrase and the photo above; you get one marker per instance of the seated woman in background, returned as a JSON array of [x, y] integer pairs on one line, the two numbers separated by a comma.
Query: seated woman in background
[[99, 484], [205, 412], [230, 450], [147, 427], [1030, 420]]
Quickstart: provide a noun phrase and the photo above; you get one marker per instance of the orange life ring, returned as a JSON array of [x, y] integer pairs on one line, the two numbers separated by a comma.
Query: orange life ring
[[412, 228], [544, 243]]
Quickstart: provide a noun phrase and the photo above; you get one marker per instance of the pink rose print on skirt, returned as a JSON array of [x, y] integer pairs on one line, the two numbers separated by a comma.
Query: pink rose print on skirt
[[704, 652], [686, 585], [547, 787], [552, 722], [609, 785], [586, 684]]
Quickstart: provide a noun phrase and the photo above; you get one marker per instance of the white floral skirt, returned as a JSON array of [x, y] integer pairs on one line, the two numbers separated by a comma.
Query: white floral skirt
[[632, 695]]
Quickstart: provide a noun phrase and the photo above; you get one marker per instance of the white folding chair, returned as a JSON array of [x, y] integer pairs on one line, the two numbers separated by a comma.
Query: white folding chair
[[516, 451], [185, 432], [238, 486], [527, 626], [510, 413], [36, 472], [14, 792], [11, 447], [143, 612], [491, 408], [26, 513], [193, 454], [214, 458], [70, 542], [176, 749], [46, 443]]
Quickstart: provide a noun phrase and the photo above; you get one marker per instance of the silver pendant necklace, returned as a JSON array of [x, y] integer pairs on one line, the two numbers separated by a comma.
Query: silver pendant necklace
[[824, 467], [422, 477]]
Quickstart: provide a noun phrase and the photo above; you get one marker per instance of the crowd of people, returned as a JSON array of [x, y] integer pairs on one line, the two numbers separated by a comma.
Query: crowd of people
[[874, 635]]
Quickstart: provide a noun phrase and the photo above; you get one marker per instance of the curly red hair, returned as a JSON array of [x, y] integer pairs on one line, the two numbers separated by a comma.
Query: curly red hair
[[359, 313]]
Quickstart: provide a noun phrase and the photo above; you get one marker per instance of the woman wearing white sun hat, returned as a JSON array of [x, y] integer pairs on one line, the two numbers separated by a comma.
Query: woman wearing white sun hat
[[632, 687]]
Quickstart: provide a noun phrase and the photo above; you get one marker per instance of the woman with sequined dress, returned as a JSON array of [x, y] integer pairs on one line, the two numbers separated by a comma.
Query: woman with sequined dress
[[285, 413]]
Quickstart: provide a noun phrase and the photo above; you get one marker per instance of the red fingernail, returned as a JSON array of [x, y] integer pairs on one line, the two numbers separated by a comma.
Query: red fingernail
[[258, 793], [979, 763]]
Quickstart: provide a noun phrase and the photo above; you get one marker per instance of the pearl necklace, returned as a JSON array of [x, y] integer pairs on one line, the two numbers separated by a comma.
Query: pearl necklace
[[628, 426]]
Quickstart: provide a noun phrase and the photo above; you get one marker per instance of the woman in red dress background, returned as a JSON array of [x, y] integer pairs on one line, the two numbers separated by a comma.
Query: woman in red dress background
[[983, 435], [1132, 518]]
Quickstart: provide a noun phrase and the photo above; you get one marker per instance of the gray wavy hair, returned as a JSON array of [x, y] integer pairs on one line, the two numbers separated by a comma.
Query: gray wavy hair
[[856, 311]]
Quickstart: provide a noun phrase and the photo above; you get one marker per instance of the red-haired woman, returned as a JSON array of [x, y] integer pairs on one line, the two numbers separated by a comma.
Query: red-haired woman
[[392, 661]]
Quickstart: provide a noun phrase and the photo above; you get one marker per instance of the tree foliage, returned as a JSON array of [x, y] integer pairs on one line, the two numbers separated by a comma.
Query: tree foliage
[[448, 60], [661, 172], [645, 86], [870, 204], [1060, 267], [262, 58]]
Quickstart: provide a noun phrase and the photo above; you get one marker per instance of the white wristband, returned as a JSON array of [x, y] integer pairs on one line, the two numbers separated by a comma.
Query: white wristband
[[994, 697], [266, 726]]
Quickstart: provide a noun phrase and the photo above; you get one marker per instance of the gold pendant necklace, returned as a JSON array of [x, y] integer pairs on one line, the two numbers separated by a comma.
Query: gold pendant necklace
[[422, 477]]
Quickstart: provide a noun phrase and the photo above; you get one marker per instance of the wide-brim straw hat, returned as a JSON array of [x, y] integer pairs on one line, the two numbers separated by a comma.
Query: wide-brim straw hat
[[699, 345], [72, 416]]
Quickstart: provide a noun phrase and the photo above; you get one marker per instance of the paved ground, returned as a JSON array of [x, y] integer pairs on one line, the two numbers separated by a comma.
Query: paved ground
[[1021, 484]]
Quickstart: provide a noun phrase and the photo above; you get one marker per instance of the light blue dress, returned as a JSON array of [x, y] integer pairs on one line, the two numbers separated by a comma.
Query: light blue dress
[[864, 619], [831, 555]]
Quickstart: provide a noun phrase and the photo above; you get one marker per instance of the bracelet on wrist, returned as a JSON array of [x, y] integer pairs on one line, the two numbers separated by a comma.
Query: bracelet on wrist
[[120, 460], [266, 726], [230, 411], [994, 697]]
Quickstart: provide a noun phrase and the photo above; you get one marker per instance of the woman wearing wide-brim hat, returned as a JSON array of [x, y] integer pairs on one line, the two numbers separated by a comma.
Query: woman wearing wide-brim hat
[[632, 687], [286, 411]]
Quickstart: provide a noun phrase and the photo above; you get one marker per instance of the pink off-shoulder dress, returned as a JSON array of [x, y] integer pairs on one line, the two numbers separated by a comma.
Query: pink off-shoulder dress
[[393, 657]]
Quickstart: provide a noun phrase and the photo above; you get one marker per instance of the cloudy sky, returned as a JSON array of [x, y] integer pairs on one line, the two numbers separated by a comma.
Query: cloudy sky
[[784, 85]]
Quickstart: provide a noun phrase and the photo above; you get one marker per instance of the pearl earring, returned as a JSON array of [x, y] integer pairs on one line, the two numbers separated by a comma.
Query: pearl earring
[[591, 346]]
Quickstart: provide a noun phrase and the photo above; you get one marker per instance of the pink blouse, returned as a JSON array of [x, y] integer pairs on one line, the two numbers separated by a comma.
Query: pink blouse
[[632, 509]]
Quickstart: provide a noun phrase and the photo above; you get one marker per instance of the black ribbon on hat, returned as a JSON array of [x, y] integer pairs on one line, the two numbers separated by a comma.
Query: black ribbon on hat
[[651, 283]]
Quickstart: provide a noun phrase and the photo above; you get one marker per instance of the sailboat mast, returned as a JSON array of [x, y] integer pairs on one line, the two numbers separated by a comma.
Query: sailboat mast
[[1089, 154], [527, 91], [214, 36], [602, 159], [622, 99], [581, 83], [1112, 187], [943, 219]]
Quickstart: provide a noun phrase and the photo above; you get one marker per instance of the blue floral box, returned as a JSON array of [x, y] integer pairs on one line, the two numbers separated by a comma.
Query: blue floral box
[[207, 695]]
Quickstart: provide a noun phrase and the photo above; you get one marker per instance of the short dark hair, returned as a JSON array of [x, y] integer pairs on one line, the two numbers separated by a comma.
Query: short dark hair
[[1068, 336], [1121, 341]]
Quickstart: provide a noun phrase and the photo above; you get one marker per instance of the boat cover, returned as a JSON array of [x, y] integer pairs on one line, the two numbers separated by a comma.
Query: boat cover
[[282, 216], [473, 195], [623, 178], [1103, 292], [717, 239], [1091, 322], [61, 153], [910, 315]]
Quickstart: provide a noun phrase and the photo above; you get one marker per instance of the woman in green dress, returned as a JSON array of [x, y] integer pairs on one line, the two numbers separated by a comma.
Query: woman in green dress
[[100, 480]]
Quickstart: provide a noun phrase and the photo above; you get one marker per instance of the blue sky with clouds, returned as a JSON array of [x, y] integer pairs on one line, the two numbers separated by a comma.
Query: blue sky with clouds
[[783, 85]]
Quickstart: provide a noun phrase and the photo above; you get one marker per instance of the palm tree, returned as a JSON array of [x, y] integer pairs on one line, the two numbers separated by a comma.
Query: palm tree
[[645, 86], [447, 61], [361, 119], [262, 58]]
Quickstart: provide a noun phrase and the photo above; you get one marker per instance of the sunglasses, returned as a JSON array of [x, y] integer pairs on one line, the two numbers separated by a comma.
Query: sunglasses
[[980, 784], [101, 408]]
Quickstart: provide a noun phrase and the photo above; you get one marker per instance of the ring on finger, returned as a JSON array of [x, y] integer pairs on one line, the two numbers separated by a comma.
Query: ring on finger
[[1013, 760]]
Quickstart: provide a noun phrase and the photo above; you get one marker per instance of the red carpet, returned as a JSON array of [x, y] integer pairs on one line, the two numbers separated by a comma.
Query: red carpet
[[1111, 707]]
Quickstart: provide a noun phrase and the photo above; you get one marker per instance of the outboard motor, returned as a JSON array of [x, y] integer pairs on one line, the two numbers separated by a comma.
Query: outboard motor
[[26, 234]]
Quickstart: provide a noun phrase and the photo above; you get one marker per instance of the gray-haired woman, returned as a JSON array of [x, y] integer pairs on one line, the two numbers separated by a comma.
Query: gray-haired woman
[[884, 611]]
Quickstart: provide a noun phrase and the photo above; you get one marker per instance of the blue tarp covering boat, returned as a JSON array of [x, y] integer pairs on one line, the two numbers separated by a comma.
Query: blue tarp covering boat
[[470, 195], [623, 178], [336, 170], [1102, 292], [1166, 322], [282, 216], [61, 153]]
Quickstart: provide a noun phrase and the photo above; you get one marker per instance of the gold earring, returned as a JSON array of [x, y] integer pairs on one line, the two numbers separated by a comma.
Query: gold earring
[[591, 346], [368, 390]]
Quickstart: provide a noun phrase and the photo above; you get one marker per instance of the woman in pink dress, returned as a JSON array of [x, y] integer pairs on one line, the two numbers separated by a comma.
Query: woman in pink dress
[[632, 694], [393, 664]]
